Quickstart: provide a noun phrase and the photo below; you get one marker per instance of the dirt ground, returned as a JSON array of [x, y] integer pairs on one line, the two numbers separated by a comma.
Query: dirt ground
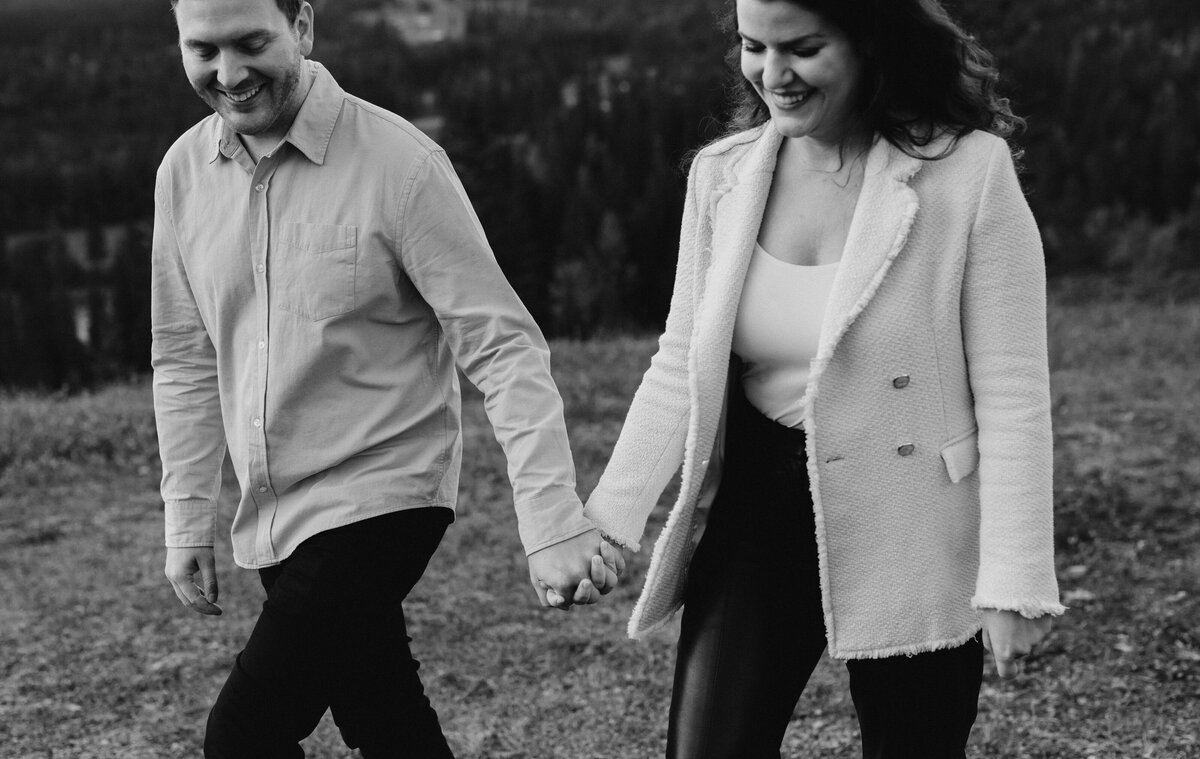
[[97, 658]]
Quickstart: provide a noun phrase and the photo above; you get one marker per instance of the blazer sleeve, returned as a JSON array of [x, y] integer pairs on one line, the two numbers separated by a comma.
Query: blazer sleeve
[[650, 448], [1004, 334]]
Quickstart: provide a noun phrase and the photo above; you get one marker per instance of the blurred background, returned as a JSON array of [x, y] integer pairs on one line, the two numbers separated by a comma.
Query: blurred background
[[567, 120]]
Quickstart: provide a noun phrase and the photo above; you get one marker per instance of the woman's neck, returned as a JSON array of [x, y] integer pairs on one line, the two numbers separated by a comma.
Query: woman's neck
[[812, 154]]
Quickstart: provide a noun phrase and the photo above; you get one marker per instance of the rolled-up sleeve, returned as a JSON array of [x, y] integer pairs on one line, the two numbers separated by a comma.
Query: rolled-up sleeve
[[187, 407], [443, 250]]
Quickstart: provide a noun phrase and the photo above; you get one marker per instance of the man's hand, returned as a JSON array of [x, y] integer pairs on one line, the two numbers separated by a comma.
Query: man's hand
[[1010, 637], [183, 564], [571, 572]]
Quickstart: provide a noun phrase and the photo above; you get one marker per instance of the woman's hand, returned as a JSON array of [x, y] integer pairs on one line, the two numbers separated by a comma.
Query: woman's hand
[[576, 571], [1010, 637]]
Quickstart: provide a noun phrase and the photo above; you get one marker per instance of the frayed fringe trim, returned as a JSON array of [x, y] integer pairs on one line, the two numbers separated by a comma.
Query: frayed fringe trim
[[911, 649], [627, 542], [635, 634], [1027, 609]]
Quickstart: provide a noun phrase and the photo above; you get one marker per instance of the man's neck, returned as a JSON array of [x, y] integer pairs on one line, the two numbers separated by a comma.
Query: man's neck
[[259, 145]]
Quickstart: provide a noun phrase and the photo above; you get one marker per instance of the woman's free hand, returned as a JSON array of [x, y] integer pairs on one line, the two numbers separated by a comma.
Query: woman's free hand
[[1010, 637]]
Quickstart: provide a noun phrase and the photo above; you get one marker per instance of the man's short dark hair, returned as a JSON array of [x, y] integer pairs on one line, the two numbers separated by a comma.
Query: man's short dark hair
[[290, 8]]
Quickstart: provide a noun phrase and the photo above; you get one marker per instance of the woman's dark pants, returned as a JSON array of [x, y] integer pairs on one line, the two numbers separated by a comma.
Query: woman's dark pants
[[332, 636], [753, 630]]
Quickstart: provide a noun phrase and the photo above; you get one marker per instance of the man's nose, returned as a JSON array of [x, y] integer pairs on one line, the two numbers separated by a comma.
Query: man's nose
[[231, 70]]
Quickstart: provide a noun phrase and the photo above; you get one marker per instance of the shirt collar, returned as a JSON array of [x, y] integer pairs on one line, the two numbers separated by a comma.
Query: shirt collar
[[312, 130]]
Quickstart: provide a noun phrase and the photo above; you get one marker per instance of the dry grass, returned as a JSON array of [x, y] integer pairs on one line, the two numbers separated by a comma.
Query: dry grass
[[98, 660]]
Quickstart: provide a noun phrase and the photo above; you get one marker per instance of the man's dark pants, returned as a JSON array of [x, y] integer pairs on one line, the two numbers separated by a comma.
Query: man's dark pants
[[332, 635]]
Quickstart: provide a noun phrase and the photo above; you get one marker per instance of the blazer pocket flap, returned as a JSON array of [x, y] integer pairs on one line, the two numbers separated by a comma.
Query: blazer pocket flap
[[961, 455]]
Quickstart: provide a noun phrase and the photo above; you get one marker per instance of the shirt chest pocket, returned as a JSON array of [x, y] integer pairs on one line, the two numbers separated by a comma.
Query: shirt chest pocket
[[314, 270]]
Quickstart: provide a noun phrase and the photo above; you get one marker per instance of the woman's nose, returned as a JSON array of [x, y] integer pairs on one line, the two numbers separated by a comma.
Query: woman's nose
[[777, 72]]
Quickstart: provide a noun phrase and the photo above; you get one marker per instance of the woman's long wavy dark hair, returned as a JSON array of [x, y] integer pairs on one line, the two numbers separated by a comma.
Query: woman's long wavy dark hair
[[923, 76]]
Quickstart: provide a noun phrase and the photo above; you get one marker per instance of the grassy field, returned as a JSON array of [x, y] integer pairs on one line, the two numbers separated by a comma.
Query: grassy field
[[98, 659]]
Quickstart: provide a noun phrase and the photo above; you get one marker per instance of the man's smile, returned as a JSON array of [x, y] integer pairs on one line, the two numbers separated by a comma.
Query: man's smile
[[241, 97]]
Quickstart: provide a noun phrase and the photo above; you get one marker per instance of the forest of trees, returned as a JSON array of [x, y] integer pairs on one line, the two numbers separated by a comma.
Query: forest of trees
[[568, 129]]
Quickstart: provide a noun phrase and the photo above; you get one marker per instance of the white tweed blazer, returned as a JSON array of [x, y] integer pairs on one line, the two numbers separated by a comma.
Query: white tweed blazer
[[928, 408]]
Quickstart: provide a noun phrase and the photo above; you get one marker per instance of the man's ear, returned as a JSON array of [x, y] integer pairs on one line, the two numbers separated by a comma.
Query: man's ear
[[304, 28]]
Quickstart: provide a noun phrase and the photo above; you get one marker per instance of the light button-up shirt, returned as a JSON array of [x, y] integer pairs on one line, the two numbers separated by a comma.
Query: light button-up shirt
[[308, 313]]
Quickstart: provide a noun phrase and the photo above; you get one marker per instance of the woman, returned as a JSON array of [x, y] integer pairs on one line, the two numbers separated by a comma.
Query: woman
[[854, 376]]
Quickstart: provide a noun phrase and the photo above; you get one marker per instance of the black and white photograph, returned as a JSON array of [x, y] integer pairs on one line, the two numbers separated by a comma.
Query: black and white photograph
[[568, 379]]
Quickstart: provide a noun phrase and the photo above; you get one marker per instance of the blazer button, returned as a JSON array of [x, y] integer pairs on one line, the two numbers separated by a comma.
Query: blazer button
[[900, 382], [906, 449]]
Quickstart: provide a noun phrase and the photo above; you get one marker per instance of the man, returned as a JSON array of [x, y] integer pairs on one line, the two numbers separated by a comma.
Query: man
[[318, 270]]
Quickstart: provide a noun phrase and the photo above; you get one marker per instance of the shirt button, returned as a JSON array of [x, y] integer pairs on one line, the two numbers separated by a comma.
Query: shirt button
[[260, 268], [262, 344], [257, 422], [259, 187], [906, 449], [262, 488], [900, 382]]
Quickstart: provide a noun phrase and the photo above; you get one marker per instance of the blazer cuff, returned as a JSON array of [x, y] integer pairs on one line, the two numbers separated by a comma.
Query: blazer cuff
[[190, 523], [549, 518], [613, 532], [1028, 608]]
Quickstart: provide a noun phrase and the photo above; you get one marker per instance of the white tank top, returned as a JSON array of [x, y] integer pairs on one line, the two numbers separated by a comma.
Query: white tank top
[[777, 332]]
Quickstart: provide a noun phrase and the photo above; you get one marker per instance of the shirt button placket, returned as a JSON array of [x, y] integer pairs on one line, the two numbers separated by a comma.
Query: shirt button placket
[[259, 206]]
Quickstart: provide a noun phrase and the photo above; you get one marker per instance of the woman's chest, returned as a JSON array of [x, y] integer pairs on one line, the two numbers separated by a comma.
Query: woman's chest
[[807, 216]]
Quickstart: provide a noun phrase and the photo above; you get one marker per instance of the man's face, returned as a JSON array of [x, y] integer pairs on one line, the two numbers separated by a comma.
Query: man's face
[[245, 60]]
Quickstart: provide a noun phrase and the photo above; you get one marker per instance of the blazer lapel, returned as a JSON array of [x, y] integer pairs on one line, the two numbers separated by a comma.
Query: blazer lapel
[[882, 219], [737, 209]]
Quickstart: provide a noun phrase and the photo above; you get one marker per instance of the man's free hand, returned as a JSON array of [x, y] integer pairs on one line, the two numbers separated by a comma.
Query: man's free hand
[[576, 571], [193, 575], [1010, 637]]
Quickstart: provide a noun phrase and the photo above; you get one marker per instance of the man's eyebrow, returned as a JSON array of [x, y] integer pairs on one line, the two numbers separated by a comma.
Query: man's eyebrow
[[257, 35]]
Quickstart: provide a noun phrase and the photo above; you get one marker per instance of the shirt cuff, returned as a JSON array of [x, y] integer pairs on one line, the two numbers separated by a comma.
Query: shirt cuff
[[190, 523], [551, 517]]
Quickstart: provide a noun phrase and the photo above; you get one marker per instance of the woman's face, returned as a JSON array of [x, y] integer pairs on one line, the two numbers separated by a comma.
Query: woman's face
[[803, 68]]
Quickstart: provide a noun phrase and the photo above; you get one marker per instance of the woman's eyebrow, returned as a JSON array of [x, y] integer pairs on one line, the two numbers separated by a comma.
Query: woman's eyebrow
[[810, 37]]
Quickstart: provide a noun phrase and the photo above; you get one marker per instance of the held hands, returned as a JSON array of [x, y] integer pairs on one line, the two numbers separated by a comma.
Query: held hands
[[1010, 637], [575, 571], [197, 593]]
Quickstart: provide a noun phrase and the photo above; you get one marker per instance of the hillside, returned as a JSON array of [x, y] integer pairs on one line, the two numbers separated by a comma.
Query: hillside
[[99, 661]]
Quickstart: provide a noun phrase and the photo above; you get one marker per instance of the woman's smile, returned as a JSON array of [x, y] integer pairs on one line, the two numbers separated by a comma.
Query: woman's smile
[[790, 99]]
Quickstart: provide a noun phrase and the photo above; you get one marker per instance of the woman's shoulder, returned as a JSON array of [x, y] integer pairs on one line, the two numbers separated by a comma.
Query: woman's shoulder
[[719, 158], [960, 162], [971, 149], [731, 146]]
